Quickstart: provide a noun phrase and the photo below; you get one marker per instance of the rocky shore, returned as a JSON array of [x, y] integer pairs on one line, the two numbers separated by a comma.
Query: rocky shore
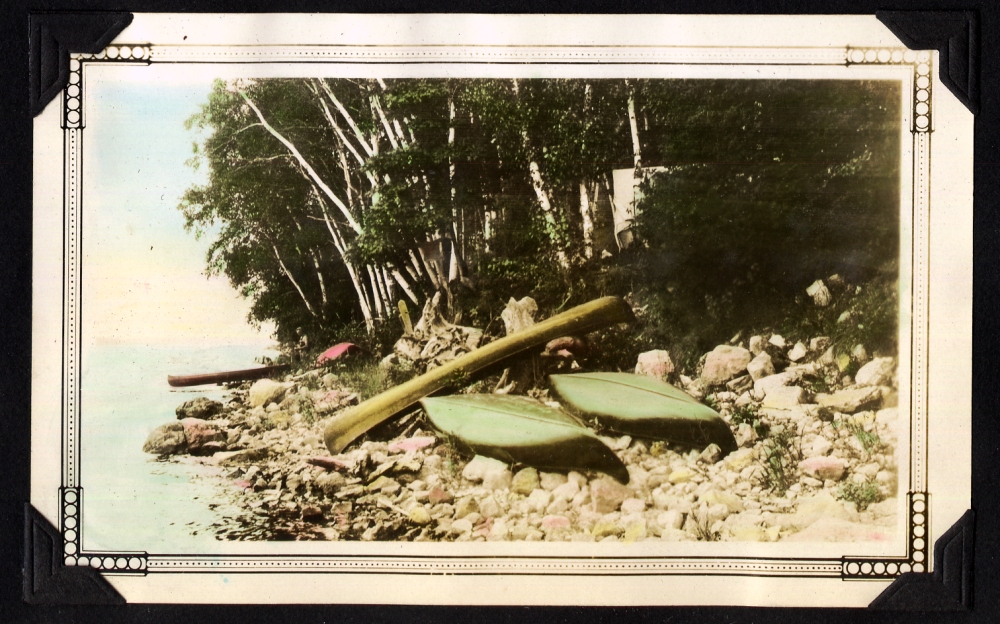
[[816, 462]]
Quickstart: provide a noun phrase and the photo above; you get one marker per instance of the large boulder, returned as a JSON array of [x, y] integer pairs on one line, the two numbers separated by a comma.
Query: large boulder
[[878, 372], [198, 408], [200, 435], [724, 363], [266, 391], [784, 397], [824, 467], [166, 439], [761, 366], [656, 364]]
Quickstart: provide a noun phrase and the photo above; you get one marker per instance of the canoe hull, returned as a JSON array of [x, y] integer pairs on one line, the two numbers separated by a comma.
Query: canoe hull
[[180, 381]]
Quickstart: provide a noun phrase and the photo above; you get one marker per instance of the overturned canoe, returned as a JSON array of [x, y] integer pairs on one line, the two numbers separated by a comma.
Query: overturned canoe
[[179, 381]]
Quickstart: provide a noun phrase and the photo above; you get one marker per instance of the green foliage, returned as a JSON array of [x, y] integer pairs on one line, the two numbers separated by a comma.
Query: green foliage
[[779, 457], [766, 186], [747, 414], [861, 494], [798, 195]]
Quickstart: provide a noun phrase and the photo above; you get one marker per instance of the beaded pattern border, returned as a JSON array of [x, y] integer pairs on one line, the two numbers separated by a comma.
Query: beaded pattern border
[[73, 121]]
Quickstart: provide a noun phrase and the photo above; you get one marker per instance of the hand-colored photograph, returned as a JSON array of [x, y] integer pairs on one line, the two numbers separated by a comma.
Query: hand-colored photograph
[[515, 309]]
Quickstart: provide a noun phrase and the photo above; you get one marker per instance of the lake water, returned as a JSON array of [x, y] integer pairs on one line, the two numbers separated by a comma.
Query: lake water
[[132, 501]]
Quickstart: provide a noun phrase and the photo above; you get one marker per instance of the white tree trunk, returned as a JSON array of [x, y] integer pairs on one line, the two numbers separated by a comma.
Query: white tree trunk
[[369, 149], [375, 293], [588, 223], [288, 274], [542, 195], [404, 286], [305, 165]]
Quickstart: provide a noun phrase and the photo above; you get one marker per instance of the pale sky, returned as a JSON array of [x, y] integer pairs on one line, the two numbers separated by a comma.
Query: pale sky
[[143, 275]]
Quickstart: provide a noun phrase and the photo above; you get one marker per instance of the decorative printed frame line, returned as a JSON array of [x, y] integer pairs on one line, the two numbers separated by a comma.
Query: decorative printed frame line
[[73, 122]]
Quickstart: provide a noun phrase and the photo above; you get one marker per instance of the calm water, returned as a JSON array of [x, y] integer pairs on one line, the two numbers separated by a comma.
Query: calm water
[[132, 501]]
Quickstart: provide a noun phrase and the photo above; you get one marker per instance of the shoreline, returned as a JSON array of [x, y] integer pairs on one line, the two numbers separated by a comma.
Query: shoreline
[[833, 451]]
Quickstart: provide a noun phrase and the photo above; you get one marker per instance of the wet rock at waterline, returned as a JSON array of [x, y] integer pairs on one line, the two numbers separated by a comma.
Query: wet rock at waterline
[[198, 408], [166, 439]]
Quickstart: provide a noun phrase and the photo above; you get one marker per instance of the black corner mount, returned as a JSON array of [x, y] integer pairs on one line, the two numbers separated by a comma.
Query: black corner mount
[[954, 34], [948, 587], [47, 580], [51, 38]]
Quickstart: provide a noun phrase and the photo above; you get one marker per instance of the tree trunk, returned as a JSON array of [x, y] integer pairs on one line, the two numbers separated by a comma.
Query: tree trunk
[[305, 165], [376, 297], [288, 274], [588, 223], [542, 195]]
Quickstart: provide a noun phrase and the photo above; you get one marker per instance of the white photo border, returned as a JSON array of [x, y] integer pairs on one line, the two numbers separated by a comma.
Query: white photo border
[[918, 69]]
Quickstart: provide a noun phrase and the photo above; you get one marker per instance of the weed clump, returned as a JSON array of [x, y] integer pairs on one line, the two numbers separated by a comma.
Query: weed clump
[[861, 494]]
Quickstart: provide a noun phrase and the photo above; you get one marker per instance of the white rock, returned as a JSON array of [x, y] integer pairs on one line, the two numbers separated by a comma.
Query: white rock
[[745, 435], [489, 507], [497, 479], [265, 391], [539, 500], [798, 352], [633, 506], [828, 358], [498, 531], [766, 384], [477, 469], [819, 343], [859, 353], [819, 293], [761, 366], [671, 519], [784, 397], [566, 491], [724, 363], [551, 480], [777, 340], [878, 372], [816, 447]]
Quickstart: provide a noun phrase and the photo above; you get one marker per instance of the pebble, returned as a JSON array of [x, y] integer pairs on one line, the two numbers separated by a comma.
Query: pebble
[[525, 481], [551, 480], [418, 514], [477, 469], [607, 495]]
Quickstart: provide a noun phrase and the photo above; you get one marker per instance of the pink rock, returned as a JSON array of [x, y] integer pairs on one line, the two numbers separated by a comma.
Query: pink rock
[[411, 444], [656, 364], [243, 484], [607, 495], [822, 467], [555, 522], [724, 363], [199, 433], [438, 495], [633, 505], [330, 463]]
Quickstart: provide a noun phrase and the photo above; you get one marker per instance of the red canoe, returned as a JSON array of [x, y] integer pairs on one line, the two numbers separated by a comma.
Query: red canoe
[[178, 381], [336, 351]]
